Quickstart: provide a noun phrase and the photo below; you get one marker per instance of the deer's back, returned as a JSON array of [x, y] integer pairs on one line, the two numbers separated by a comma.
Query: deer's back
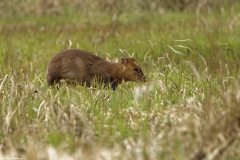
[[73, 65]]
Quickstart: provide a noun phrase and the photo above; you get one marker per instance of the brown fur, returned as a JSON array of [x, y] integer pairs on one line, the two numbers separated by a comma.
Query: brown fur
[[83, 67]]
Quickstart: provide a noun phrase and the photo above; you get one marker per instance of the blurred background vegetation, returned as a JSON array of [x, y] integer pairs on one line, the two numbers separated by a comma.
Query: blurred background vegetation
[[20, 8]]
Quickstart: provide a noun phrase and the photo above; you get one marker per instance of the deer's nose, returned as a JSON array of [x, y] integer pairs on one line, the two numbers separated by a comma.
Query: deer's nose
[[144, 79]]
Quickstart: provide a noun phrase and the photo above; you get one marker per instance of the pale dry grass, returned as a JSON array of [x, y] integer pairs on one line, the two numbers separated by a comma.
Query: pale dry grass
[[196, 129]]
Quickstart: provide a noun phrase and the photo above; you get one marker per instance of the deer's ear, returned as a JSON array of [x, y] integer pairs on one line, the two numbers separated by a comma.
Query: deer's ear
[[123, 61]]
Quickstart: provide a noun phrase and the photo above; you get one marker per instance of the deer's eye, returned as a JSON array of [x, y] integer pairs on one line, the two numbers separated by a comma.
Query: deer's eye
[[136, 69]]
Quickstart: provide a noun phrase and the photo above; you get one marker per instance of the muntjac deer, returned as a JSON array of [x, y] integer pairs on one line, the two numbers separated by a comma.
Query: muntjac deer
[[84, 68]]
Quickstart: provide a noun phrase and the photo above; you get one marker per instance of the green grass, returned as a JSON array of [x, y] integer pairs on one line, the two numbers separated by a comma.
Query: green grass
[[187, 109]]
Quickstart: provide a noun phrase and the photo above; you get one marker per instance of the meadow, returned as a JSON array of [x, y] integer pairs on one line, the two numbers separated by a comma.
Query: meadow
[[187, 109]]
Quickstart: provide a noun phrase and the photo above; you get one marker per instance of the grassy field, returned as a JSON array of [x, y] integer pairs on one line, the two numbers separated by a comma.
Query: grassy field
[[188, 108]]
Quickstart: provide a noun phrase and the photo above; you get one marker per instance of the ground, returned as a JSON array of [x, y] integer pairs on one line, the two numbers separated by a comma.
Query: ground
[[188, 108]]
